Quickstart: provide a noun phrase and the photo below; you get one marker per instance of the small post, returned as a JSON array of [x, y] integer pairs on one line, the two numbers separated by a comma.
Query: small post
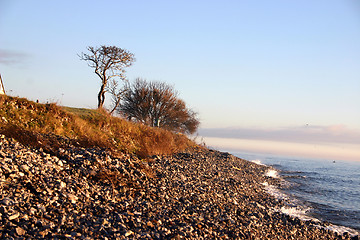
[[2, 89]]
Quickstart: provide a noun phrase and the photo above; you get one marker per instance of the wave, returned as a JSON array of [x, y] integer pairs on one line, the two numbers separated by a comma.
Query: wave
[[297, 209], [299, 212], [304, 184], [294, 176], [258, 162], [272, 173], [340, 229], [274, 191]]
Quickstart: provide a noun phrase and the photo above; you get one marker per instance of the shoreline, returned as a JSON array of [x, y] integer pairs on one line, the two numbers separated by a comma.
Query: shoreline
[[89, 193], [296, 208], [300, 206]]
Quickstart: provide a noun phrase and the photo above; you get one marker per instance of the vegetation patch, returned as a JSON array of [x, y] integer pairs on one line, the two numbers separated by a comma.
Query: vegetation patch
[[51, 127]]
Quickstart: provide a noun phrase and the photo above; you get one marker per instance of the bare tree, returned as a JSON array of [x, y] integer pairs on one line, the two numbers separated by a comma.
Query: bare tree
[[108, 62], [116, 93], [156, 104]]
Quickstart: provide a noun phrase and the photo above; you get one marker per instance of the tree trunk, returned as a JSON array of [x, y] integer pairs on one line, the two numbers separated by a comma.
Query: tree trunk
[[101, 96], [117, 103]]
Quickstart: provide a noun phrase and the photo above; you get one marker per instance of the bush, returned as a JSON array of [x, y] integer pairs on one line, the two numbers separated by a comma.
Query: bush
[[156, 104]]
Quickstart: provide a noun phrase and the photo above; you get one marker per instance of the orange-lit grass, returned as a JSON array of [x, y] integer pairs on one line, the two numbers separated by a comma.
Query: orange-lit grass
[[35, 124]]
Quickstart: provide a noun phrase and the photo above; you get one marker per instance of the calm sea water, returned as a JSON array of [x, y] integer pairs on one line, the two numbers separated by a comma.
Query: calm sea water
[[326, 190]]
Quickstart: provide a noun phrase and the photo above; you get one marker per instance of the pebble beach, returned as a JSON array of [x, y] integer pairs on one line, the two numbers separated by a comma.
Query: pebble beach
[[79, 193]]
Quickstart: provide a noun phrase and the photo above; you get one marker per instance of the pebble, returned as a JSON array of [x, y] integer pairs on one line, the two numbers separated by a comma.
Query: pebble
[[14, 216], [20, 231], [80, 193]]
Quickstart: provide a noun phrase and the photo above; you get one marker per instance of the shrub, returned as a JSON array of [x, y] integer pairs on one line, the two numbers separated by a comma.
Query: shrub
[[156, 104]]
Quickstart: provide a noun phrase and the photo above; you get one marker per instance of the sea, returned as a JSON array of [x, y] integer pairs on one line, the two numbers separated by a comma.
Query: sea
[[317, 189]]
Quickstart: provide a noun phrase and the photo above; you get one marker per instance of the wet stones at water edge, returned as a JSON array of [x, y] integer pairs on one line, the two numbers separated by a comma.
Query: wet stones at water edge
[[91, 194]]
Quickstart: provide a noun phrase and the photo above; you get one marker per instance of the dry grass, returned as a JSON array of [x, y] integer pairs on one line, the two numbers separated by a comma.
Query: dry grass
[[40, 125]]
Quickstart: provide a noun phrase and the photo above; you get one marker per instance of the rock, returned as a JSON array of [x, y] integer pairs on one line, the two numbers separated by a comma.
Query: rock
[[150, 224], [20, 231], [129, 233], [72, 198], [7, 201], [25, 168], [14, 216], [62, 184]]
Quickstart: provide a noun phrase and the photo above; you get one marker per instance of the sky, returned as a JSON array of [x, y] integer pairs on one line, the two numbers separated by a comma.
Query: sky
[[279, 77]]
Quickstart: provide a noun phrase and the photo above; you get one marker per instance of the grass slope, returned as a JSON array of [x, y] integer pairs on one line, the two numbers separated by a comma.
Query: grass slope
[[50, 127]]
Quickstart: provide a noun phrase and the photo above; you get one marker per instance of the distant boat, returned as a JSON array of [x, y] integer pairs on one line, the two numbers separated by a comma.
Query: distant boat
[[334, 161]]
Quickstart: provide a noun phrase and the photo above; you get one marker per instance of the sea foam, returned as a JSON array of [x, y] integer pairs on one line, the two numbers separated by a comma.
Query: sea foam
[[301, 211], [341, 229], [274, 191], [272, 173], [258, 162]]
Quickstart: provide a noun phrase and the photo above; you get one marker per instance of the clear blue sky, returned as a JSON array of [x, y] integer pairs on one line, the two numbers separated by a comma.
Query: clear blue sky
[[251, 67]]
